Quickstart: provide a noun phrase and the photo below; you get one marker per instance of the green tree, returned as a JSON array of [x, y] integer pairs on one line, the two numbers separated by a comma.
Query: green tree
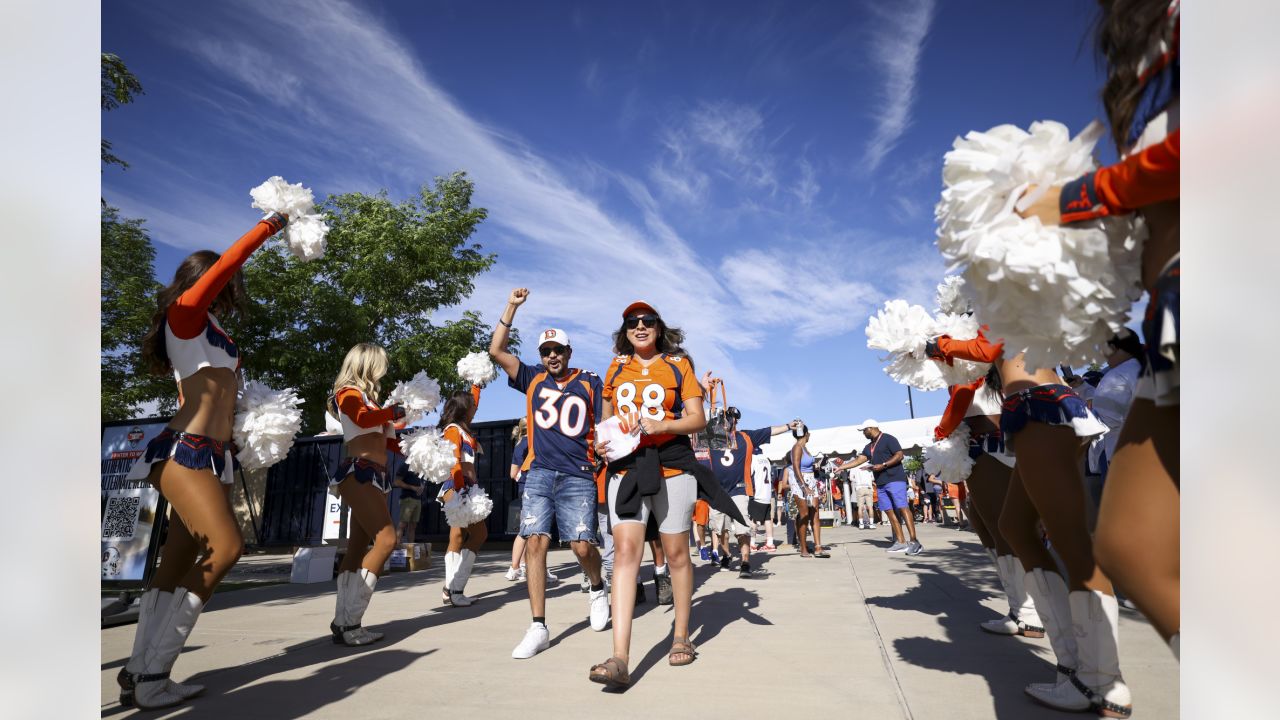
[[388, 266], [118, 88], [128, 300]]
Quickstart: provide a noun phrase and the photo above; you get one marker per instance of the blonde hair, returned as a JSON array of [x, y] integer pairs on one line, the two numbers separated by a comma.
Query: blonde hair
[[362, 369], [521, 429]]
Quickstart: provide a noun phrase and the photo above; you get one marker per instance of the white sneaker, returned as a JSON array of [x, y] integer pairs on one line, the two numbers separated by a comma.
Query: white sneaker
[[871, 526], [898, 547], [599, 609], [536, 639], [514, 574]]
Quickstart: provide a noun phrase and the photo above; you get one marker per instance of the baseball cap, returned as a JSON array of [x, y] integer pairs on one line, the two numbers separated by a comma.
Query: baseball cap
[[868, 423], [553, 335], [639, 306]]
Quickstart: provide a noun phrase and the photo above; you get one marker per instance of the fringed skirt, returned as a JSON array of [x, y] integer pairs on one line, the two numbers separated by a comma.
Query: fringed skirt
[[189, 450]]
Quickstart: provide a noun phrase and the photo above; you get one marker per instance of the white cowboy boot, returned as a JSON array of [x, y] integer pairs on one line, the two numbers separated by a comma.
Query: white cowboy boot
[[1049, 591], [1022, 607], [467, 558], [1007, 625], [1096, 685], [151, 606], [359, 593], [167, 633], [452, 561]]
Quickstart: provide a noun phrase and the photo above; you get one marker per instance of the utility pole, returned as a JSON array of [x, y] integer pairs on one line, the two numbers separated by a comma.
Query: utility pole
[[910, 406]]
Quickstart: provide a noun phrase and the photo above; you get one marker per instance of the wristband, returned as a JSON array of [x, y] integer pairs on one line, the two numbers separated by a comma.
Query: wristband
[[503, 322]]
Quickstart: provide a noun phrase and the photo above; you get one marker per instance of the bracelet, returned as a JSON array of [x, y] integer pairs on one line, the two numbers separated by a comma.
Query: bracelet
[[503, 322]]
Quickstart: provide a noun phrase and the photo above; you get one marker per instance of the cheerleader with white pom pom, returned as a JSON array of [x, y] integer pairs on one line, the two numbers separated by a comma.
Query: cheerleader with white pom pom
[[1048, 426], [361, 479], [203, 542], [464, 541], [1140, 42]]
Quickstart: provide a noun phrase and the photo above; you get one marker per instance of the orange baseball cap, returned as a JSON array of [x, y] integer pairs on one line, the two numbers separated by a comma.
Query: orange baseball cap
[[638, 306]]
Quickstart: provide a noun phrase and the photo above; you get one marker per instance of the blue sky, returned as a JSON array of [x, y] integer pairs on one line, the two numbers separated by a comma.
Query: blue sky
[[762, 173]]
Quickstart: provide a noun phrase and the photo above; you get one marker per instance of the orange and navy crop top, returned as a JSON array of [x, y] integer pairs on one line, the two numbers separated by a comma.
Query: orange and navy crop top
[[193, 339], [464, 445], [1149, 172], [361, 416]]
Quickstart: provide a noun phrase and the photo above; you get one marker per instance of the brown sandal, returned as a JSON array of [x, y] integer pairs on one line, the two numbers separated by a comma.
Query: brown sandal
[[682, 647], [611, 672]]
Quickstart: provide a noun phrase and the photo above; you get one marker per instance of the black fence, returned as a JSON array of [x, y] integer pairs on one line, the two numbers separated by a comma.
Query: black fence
[[297, 492]]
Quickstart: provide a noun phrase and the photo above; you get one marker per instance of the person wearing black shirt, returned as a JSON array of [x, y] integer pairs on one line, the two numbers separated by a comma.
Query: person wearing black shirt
[[885, 455]]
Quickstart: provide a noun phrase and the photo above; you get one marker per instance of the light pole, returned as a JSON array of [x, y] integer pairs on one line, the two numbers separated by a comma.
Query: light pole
[[910, 406]]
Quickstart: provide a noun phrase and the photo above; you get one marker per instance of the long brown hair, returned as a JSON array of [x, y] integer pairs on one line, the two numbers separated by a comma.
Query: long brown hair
[[1124, 32], [455, 411], [669, 340], [154, 354]]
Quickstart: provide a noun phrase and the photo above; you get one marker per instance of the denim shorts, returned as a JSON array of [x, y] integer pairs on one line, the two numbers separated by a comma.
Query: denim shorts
[[570, 499]]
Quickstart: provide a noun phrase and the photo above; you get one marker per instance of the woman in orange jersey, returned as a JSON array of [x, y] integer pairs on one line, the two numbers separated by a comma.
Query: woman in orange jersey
[[652, 380], [361, 479], [204, 540], [1140, 42], [464, 542]]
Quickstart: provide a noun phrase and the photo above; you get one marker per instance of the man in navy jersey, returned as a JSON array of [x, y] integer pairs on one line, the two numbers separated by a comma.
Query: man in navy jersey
[[732, 467], [564, 405]]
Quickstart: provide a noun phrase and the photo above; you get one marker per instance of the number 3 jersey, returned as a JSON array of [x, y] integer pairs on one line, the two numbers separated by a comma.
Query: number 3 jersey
[[657, 392], [562, 419], [733, 468]]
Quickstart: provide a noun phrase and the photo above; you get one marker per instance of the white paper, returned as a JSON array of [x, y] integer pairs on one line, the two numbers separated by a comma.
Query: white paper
[[621, 444]]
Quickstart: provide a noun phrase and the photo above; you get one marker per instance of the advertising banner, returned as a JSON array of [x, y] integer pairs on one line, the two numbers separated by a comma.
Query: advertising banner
[[131, 509]]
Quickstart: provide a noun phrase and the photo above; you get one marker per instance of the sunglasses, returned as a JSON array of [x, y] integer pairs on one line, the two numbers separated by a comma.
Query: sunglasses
[[548, 349], [634, 321]]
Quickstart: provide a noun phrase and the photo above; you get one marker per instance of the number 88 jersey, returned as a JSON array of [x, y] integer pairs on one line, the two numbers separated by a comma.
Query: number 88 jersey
[[657, 392]]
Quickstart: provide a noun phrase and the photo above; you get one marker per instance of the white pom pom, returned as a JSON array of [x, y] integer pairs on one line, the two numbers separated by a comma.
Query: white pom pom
[[467, 507], [949, 459], [950, 297], [306, 230], [419, 396], [266, 423], [902, 330], [477, 369], [1059, 293], [428, 454]]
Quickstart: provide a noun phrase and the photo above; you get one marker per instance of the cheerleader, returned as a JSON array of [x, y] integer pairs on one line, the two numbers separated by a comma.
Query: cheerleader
[[1140, 42], [203, 541], [977, 405], [1048, 427], [362, 481], [464, 542]]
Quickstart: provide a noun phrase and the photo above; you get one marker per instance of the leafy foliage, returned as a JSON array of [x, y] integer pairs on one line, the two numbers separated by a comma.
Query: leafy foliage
[[912, 463], [128, 300], [387, 268], [118, 88]]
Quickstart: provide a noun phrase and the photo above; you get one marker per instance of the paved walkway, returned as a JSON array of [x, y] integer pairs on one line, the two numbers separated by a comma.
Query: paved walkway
[[882, 636]]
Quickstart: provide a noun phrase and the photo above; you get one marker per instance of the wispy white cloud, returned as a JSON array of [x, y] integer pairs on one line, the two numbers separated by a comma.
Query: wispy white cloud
[[807, 187], [591, 76], [896, 44]]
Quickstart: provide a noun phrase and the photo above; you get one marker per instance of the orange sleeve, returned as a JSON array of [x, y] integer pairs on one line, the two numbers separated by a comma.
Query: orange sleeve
[[475, 396], [351, 404], [690, 388], [957, 406], [187, 314], [1144, 178], [978, 349], [607, 380]]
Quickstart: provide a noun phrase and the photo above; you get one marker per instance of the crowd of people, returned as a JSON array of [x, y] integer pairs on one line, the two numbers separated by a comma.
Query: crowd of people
[[1060, 542]]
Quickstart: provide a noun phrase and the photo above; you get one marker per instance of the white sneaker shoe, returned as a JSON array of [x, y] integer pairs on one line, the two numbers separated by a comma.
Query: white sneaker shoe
[[599, 609], [536, 639], [514, 574]]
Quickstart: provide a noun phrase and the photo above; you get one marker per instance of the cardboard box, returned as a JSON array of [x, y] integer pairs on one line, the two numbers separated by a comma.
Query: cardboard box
[[827, 518], [313, 564], [420, 556]]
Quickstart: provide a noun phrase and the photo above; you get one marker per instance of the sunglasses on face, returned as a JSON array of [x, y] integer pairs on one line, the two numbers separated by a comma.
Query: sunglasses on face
[[634, 321], [549, 349]]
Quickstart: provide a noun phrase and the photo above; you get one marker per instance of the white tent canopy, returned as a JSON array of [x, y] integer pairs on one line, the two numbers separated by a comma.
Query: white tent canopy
[[844, 439]]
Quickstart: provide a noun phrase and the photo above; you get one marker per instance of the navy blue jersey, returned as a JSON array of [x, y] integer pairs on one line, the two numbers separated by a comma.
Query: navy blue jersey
[[562, 419], [733, 467], [518, 455], [879, 451]]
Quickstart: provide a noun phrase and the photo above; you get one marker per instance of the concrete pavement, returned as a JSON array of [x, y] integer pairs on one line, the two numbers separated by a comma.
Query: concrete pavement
[[863, 632]]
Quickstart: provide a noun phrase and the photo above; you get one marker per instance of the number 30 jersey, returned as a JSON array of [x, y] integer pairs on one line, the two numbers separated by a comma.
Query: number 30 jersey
[[562, 419], [657, 392]]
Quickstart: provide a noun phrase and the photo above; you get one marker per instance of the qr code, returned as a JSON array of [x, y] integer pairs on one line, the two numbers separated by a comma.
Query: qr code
[[121, 517]]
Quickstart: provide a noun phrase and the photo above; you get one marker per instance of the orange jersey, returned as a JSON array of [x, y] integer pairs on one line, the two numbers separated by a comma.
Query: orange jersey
[[658, 392], [464, 451]]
